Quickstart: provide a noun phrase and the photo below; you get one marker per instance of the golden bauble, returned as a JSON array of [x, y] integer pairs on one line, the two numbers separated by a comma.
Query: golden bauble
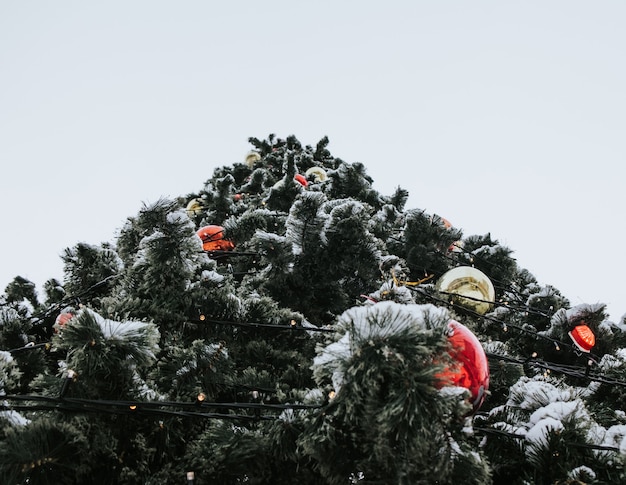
[[468, 287], [194, 208], [318, 174], [251, 158]]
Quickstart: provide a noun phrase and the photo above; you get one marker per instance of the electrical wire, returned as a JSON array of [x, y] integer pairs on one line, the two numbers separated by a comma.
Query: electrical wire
[[204, 320], [517, 436], [521, 307], [504, 324], [172, 408], [572, 371]]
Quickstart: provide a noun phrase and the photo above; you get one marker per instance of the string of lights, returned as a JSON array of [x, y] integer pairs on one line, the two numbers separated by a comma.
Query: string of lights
[[505, 326], [293, 325], [31, 403], [216, 254], [200, 402], [31, 346], [578, 372], [195, 409], [572, 371], [68, 300], [517, 436], [62, 407], [522, 306]]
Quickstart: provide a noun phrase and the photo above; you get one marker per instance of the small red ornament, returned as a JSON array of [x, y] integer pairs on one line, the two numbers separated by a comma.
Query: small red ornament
[[472, 368], [456, 246], [213, 239], [583, 337], [61, 320], [301, 179]]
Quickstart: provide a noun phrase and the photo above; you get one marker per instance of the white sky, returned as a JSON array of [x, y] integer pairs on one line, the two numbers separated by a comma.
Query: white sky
[[503, 117]]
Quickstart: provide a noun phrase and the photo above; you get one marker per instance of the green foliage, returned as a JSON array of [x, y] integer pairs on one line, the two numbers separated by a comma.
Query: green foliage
[[317, 345], [387, 416], [14, 334], [43, 452], [106, 354], [21, 289], [87, 266]]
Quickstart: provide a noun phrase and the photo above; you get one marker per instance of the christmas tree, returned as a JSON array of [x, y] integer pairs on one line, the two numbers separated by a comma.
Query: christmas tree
[[289, 324]]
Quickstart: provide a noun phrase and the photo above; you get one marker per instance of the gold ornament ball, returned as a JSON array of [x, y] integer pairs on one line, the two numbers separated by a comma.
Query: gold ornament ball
[[468, 287], [194, 208], [318, 174], [251, 158]]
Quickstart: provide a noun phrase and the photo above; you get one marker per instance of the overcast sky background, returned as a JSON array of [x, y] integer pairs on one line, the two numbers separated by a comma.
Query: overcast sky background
[[503, 117]]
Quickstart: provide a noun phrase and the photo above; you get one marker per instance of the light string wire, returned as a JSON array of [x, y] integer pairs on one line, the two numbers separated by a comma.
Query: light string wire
[[128, 407], [521, 298], [504, 324], [203, 320], [579, 372], [157, 408], [521, 437], [501, 286], [573, 371], [138, 410], [57, 307], [569, 370], [155, 404]]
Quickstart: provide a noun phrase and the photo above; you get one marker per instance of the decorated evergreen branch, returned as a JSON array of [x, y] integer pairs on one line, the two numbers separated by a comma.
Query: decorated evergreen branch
[[287, 323]]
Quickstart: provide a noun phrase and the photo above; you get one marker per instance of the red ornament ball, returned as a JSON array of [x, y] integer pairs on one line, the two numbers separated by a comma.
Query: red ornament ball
[[61, 320], [583, 337], [471, 370], [213, 239], [301, 179]]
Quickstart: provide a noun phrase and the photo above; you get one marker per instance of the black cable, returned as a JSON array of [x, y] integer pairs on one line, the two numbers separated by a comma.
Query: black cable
[[503, 323], [203, 320], [105, 403], [139, 410], [572, 371], [517, 436], [30, 346]]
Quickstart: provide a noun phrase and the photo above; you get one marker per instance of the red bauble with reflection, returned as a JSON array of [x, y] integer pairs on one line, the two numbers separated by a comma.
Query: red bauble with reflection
[[471, 370]]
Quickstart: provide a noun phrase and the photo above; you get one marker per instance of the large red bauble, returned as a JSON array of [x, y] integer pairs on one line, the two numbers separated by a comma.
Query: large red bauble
[[213, 239], [471, 369]]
